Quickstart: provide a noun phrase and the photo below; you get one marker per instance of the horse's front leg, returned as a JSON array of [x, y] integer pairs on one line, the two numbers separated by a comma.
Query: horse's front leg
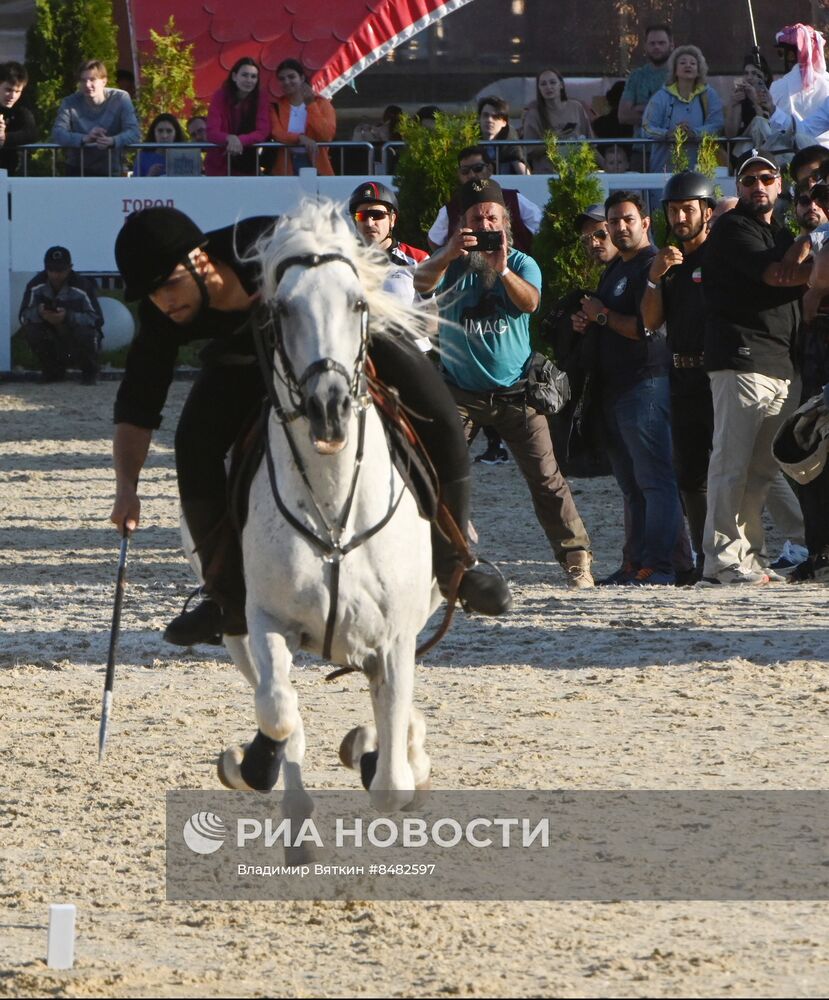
[[280, 736], [391, 683]]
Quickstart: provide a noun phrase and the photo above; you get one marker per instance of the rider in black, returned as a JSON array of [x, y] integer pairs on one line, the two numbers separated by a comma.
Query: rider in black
[[197, 286]]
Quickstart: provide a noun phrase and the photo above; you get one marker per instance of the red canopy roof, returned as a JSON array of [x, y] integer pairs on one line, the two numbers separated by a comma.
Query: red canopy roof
[[334, 39]]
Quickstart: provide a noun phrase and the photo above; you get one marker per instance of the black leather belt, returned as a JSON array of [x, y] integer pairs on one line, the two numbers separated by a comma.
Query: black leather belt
[[688, 360]]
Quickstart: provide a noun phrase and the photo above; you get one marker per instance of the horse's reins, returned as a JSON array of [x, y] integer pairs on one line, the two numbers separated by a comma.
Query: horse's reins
[[330, 545]]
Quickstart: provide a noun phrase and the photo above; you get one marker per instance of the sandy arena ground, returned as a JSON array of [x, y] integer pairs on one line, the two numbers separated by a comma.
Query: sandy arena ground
[[657, 688]]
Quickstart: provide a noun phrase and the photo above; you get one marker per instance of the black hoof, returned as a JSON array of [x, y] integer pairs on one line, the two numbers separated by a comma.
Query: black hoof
[[261, 763], [368, 768]]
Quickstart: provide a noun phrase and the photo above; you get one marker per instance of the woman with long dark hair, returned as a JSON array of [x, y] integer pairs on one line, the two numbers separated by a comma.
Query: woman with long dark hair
[[153, 163], [302, 119], [237, 121], [552, 111]]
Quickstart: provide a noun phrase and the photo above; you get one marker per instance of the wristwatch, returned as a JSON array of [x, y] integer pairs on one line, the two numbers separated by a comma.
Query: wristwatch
[[601, 318]]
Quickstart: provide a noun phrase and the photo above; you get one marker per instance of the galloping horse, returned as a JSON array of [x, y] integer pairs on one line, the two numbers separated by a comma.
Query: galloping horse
[[337, 559]]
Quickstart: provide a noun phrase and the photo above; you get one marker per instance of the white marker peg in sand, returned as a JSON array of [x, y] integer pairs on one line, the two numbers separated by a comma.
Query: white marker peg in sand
[[60, 947]]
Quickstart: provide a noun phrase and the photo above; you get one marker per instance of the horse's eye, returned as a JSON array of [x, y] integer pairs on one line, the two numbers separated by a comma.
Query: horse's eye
[[359, 305]]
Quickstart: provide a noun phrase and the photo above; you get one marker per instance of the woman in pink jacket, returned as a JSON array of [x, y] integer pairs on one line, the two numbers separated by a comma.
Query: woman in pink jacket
[[237, 121], [301, 118]]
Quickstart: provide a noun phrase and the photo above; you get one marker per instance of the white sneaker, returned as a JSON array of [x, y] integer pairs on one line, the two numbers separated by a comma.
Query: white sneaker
[[735, 578]]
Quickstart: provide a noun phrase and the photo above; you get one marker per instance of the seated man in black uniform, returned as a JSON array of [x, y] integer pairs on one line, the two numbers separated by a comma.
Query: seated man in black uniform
[[193, 286]]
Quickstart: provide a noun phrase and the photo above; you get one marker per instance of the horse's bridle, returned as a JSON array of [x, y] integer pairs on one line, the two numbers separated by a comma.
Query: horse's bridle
[[268, 338]]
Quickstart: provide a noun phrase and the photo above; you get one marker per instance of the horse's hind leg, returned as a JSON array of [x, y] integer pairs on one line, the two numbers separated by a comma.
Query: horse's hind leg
[[358, 751], [391, 684]]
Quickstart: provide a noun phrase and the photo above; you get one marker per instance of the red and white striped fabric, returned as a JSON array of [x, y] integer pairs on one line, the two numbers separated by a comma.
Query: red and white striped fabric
[[334, 41]]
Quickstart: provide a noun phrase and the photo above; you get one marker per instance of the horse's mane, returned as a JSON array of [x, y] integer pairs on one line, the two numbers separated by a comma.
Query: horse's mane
[[319, 227]]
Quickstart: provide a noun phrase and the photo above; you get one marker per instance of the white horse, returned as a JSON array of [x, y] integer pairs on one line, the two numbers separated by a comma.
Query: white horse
[[337, 559]]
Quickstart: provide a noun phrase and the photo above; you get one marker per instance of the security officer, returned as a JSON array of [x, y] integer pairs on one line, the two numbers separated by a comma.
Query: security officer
[[673, 296], [374, 208]]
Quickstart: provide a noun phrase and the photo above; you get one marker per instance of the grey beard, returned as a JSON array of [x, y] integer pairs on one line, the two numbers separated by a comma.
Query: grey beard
[[478, 264]]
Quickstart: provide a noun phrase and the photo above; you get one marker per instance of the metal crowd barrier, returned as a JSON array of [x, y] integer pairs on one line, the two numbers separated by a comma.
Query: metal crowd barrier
[[630, 145], [341, 147]]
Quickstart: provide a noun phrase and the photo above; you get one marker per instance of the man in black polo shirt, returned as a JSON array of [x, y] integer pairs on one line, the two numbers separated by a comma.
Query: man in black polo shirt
[[633, 372], [751, 319], [673, 296]]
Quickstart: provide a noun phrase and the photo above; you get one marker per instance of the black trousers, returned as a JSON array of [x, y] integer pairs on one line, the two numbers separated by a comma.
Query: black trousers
[[422, 389], [58, 347], [692, 432]]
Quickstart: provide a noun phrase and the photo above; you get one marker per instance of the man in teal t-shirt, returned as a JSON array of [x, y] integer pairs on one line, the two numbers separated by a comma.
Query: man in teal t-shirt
[[645, 81], [488, 297]]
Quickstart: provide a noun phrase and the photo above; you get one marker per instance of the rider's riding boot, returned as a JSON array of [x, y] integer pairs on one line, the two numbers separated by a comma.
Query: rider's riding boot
[[222, 612], [202, 624], [486, 593]]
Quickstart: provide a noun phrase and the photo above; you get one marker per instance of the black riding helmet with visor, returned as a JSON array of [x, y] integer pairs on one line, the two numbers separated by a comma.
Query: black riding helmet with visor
[[151, 244], [372, 193]]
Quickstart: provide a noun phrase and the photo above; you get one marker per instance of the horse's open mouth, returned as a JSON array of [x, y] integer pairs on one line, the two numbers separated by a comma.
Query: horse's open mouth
[[327, 447]]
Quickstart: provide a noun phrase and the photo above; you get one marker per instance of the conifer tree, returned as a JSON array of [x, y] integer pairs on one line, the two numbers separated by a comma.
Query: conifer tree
[[167, 77], [427, 172], [573, 186], [65, 34]]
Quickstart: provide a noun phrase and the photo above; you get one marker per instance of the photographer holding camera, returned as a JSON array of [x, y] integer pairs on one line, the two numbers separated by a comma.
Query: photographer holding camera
[[61, 319], [486, 355]]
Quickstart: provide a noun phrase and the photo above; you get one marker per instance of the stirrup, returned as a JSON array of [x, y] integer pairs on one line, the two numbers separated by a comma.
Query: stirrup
[[495, 599]]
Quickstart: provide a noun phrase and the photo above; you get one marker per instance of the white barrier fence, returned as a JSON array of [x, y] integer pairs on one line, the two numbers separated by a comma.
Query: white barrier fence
[[85, 215]]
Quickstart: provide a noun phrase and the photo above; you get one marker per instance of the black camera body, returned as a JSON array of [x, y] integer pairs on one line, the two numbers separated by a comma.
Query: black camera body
[[488, 240]]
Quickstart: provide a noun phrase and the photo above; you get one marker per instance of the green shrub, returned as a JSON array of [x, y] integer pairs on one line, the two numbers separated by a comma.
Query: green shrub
[[167, 76], [427, 171], [573, 186], [65, 34]]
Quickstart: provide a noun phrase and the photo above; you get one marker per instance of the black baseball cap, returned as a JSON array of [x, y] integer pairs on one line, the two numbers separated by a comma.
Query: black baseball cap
[[593, 213], [753, 156], [57, 259]]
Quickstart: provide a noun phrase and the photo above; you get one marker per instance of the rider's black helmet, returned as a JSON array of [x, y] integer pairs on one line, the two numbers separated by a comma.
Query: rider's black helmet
[[150, 245], [370, 193], [687, 186]]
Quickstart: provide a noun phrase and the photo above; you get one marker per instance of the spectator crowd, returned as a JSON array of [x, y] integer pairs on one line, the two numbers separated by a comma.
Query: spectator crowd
[[691, 361], [666, 99]]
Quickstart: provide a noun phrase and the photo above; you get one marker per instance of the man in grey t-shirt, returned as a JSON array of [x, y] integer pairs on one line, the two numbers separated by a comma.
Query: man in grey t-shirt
[[95, 124]]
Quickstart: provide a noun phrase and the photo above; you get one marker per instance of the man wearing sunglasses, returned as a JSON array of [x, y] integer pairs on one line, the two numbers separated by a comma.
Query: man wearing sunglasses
[[474, 163], [809, 213], [804, 168], [752, 314], [591, 226], [374, 208]]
